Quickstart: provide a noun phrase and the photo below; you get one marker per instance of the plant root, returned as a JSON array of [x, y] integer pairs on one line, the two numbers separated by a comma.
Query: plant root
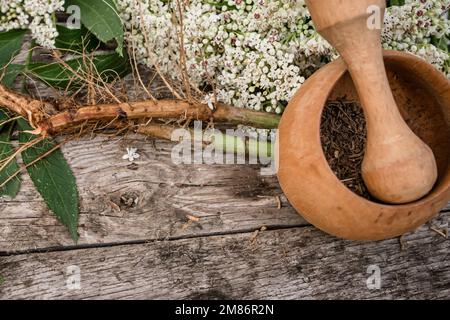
[[35, 111]]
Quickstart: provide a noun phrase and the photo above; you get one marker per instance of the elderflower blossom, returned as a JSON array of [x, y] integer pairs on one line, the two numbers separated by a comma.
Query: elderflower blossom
[[413, 26], [257, 53], [36, 15], [131, 154]]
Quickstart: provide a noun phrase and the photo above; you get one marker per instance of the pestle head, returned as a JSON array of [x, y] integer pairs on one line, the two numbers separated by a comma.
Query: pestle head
[[400, 170]]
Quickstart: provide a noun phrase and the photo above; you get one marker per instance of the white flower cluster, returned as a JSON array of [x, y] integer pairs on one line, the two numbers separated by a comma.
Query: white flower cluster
[[257, 53], [416, 27], [36, 15]]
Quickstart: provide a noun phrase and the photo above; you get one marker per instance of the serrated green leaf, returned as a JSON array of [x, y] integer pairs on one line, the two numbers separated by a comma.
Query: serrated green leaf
[[10, 45], [102, 19], [58, 76], [12, 187], [75, 39], [52, 177]]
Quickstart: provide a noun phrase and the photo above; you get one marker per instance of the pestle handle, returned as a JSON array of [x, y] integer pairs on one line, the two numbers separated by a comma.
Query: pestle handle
[[398, 167]]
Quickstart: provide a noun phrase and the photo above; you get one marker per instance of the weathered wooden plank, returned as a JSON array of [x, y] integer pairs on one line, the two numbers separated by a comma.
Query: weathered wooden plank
[[447, 208], [225, 198], [280, 264]]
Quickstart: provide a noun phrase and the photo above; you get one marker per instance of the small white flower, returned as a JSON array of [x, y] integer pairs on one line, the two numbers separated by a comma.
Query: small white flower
[[209, 100], [131, 154]]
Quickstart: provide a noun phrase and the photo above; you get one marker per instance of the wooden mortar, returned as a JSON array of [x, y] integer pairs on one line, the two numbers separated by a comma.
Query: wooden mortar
[[398, 167], [422, 94]]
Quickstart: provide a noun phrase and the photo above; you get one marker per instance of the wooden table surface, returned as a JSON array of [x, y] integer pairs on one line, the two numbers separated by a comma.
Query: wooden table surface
[[138, 238]]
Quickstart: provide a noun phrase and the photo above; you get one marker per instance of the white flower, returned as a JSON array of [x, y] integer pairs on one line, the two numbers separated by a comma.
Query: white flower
[[259, 53], [35, 15], [131, 154], [209, 100]]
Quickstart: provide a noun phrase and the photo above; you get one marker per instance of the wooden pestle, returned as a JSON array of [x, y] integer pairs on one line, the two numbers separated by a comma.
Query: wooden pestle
[[398, 166]]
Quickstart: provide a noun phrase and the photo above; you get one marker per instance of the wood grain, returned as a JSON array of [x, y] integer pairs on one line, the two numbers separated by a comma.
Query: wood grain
[[281, 264], [150, 249], [225, 198]]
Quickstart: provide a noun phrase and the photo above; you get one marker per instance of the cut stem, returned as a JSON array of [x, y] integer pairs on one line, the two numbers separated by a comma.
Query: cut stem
[[237, 144]]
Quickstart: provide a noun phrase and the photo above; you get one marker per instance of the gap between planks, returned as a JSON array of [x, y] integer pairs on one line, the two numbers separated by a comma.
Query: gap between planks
[[148, 241]]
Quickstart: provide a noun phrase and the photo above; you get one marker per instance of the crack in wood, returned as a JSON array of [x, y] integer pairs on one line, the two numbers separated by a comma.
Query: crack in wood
[[144, 241]]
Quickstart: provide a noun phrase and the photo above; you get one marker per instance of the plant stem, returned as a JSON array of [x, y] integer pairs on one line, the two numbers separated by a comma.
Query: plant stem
[[247, 117], [236, 144], [159, 109], [33, 110]]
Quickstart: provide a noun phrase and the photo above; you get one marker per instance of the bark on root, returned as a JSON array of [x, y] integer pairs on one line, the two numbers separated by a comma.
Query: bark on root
[[35, 111]]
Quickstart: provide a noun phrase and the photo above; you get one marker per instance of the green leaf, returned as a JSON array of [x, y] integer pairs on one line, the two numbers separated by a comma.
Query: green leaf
[[52, 177], [10, 74], [2, 280], [440, 43], [56, 75], [102, 19], [12, 187], [10, 45], [75, 39], [396, 3]]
